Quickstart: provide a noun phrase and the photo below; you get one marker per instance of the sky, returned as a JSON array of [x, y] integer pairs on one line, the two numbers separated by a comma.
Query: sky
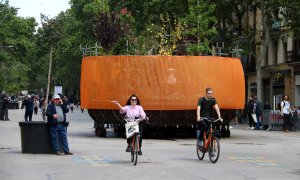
[[33, 8]]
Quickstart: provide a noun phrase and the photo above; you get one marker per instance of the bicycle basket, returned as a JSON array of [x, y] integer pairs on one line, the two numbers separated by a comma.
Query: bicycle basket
[[131, 128]]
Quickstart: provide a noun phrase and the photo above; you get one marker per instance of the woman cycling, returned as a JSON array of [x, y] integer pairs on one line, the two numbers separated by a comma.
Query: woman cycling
[[133, 110]]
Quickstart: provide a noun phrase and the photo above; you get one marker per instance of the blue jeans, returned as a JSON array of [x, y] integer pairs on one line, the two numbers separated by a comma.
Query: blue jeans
[[59, 133], [257, 126]]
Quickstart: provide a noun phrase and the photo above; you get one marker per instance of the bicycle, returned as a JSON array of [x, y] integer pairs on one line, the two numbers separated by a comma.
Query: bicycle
[[132, 131], [211, 143]]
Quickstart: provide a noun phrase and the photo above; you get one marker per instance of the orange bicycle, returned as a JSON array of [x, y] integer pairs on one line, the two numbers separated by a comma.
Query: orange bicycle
[[211, 143]]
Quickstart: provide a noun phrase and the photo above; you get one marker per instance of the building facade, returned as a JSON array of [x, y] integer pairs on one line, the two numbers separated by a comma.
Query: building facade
[[281, 68]]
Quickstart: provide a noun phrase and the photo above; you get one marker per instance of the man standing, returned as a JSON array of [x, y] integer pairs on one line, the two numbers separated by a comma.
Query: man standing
[[249, 112], [205, 108], [56, 113], [257, 110], [28, 102], [286, 113], [5, 105]]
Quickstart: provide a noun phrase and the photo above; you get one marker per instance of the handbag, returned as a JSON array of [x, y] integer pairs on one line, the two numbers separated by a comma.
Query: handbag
[[254, 117], [131, 128]]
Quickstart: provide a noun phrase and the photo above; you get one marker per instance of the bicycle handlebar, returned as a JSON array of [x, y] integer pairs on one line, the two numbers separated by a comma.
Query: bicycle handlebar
[[135, 119], [212, 120]]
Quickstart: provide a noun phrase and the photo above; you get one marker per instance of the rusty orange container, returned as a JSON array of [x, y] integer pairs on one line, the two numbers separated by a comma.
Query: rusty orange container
[[162, 83]]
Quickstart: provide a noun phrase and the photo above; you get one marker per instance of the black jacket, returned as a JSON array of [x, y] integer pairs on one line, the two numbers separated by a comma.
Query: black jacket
[[28, 104], [51, 111]]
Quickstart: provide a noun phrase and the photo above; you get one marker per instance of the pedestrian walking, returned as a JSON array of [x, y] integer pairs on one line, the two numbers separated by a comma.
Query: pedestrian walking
[[286, 113], [43, 107], [5, 106], [249, 111], [20, 101], [257, 110], [36, 105]]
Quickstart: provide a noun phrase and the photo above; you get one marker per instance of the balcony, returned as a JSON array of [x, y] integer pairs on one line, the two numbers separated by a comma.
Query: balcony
[[293, 57]]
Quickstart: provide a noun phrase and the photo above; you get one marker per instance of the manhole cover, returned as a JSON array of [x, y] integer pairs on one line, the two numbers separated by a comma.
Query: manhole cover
[[244, 143], [188, 144], [249, 144]]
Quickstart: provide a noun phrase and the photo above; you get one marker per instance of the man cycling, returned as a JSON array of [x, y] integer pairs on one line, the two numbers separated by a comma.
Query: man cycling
[[205, 108]]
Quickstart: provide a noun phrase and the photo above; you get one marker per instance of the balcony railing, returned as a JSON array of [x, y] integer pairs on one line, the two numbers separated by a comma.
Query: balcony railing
[[293, 56]]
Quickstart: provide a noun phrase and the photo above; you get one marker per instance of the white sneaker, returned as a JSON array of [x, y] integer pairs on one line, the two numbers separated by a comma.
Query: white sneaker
[[230, 127], [252, 128], [249, 127]]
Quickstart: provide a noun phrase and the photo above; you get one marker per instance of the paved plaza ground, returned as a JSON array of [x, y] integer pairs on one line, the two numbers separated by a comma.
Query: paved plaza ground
[[247, 154]]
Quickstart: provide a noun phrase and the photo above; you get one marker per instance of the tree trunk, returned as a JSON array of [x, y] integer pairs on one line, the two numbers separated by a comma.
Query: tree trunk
[[49, 75], [263, 51]]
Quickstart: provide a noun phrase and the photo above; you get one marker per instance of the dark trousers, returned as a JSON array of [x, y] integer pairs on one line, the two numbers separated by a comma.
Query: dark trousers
[[129, 140], [44, 114], [286, 121], [6, 113], [35, 110], [28, 114], [257, 126], [203, 127], [251, 121]]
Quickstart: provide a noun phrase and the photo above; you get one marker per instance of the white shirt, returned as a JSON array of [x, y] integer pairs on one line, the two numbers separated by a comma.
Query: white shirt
[[285, 106]]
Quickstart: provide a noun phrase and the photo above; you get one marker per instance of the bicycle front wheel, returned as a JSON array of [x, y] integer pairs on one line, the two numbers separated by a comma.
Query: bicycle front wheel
[[200, 152], [136, 148], [132, 155], [214, 150]]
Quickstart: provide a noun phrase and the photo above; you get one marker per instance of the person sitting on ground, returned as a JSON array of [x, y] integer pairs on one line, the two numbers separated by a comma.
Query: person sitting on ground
[[133, 110]]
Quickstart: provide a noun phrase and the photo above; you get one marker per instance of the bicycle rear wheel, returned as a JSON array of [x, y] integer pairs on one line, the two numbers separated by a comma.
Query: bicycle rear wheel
[[214, 150], [136, 148]]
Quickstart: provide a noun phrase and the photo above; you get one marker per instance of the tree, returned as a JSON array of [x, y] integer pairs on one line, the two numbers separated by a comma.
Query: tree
[[200, 22], [108, 30], [52, 30], [291, 12], [17, 46]]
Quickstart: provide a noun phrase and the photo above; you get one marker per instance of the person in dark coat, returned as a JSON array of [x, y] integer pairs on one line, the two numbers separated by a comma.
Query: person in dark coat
[[249, 111], [257, 110], [56, 113], [267, 106], [5, 106], [28, 103]]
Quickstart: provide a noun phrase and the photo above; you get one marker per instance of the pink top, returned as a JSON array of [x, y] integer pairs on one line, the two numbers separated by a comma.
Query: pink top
[[133, 111]]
